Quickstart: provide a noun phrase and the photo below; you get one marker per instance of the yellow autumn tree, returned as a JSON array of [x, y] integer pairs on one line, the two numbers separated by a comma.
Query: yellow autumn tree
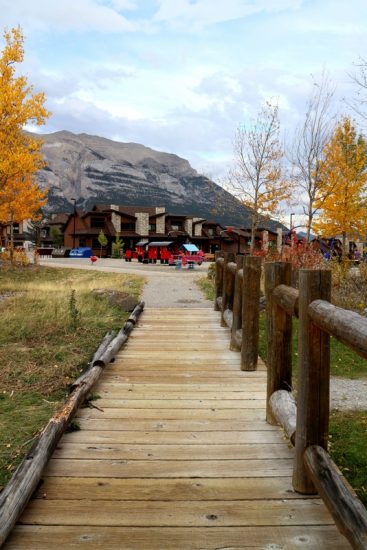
[[20, 152], [257, 177], [343, 190]]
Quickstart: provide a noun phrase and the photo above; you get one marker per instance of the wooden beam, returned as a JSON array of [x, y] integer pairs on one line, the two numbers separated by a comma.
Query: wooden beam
[[278, 334], [347, 510], [348, 327], [313, 375], [250, 312], [286, 297], [284, 410]]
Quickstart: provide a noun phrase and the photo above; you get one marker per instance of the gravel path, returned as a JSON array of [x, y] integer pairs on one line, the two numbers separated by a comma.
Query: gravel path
[[348, 394], [167, 287]]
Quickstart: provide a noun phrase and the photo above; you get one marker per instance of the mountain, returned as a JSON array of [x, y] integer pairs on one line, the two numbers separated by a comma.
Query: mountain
[[95, 170]]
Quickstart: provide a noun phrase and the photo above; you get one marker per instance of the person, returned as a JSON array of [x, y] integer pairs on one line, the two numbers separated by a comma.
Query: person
[[128, 255]]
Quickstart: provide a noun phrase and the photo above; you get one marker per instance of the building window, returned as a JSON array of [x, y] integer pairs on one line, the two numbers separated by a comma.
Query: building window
[[97, 222], [128, 226], [210, 231], [176, 226], [95, 243], [152, 227], [15, 228], [82, 242]]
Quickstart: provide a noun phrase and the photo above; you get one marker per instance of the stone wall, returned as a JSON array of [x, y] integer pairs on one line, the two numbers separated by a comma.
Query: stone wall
[[188, 226], [115, 218], [198, 227], [161, 220], [142, 223]]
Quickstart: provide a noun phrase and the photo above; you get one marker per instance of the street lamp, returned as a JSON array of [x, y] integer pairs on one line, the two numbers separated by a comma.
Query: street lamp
[[74, 200]]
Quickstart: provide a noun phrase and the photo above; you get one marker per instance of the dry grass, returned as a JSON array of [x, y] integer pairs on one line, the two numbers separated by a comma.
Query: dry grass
[[45, 342]]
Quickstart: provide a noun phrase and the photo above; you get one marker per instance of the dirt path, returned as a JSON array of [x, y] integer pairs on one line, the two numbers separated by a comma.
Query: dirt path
[[165, 286]]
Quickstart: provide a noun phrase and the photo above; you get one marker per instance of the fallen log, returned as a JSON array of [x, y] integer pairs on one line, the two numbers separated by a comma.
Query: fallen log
[[347, 510], [120, 339], [102, 347], [20, 488]]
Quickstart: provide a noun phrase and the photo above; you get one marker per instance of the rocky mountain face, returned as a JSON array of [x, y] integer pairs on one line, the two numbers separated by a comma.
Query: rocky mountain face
[[94, 170]]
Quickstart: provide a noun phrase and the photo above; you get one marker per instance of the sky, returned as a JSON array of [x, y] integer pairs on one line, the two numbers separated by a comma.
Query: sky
[[181, 75]]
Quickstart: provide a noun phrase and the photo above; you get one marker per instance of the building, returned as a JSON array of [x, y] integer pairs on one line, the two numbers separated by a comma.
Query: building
[[151, 224]]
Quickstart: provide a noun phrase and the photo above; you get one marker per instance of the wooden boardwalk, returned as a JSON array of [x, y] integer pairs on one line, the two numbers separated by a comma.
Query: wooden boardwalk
[[176, 456]]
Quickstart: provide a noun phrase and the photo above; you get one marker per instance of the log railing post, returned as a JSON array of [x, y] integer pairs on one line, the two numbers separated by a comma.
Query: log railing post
[[279, 335], [250, 312], [237, 305], [218, 279], [313, 376], [227, 286]]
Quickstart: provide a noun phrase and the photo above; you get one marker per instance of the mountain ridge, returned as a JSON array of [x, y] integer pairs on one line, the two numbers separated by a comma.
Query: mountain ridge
[[98, 170]]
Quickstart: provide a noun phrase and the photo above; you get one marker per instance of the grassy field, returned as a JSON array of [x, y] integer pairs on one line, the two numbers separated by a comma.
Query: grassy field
[[50, 325], [348, 430]]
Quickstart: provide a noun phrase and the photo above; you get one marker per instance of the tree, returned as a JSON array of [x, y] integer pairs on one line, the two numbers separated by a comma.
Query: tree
[[117, 246], [343, 192], [309, 146], [57, 237], [102, 239], [20, 155], [359, 103], [256, 177], [23, 200]]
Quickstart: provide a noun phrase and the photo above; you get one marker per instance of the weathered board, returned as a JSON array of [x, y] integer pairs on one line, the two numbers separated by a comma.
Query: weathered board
[[175, 453]]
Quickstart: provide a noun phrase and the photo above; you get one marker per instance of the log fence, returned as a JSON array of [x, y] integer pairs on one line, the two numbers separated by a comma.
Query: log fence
[[237, 292]]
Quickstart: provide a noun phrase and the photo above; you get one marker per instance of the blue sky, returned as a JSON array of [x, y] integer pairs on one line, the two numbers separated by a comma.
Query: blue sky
[[181, 75]]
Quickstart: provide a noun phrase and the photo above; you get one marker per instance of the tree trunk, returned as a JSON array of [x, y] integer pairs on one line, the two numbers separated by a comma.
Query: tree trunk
[[344, 245], [11, 238], [253, 228]]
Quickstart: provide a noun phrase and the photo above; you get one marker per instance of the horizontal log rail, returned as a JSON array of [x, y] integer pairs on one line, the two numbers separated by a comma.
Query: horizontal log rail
[[237, 295], [347, 510], [348, 327], [307, 423]]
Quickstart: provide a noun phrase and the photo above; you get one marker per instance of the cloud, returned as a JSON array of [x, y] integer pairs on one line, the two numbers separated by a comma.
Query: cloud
[[68, 15], [202, 13]]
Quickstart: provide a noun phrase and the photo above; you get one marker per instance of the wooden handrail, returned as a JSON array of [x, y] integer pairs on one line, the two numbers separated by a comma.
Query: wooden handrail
[[348, 327], [347, 510], [313, 376], [287, 298], [279, 334], [237, 294], [307, 425]]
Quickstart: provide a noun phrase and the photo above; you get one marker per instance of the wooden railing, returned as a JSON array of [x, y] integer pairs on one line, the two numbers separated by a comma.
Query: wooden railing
[[307, 423]]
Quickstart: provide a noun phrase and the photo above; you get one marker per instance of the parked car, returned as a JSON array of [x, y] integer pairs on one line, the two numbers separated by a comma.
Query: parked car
[[81, 252]]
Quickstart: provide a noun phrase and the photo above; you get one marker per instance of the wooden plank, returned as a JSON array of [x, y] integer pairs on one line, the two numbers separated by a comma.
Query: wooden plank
[[187, 378], [180, 457], [171, 452], [121, 424], [178, 438], [186, 404], [169, 468], [183, 538], [112, 392], [136, 513], [228, 390], [59, 488], [172, 414]]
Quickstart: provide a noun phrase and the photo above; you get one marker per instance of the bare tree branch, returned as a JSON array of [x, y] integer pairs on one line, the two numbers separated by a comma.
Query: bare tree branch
[[309, 142]]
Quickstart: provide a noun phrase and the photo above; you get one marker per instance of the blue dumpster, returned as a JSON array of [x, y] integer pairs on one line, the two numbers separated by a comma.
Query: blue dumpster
[[81, 252]]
